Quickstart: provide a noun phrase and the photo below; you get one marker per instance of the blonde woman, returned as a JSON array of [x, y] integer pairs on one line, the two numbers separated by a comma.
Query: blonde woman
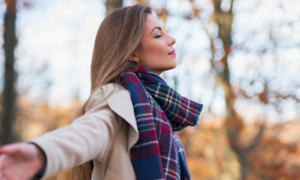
[[127, 128]]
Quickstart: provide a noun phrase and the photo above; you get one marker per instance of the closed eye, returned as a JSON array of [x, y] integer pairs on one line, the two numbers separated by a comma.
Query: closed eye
[[158, 36]]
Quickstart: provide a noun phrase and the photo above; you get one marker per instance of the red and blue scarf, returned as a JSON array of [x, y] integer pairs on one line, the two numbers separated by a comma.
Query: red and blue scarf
[[160, 112]]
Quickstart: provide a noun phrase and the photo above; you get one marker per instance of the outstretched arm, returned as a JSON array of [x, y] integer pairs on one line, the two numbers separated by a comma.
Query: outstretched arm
[[88, 137]]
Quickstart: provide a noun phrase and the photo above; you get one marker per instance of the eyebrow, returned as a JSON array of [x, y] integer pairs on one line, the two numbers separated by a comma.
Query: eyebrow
[[156, 27]]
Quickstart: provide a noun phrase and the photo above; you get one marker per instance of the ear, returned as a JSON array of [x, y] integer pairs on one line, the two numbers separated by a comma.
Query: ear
[[134, 57]]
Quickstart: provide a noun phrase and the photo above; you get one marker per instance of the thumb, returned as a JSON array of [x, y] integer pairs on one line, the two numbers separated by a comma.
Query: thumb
[[10, 149]]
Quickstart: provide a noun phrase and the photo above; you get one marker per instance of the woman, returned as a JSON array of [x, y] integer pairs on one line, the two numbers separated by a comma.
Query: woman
[[127, 128]]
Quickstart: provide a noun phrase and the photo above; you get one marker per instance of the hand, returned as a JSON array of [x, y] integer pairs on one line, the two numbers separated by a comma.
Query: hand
[[20, 161]]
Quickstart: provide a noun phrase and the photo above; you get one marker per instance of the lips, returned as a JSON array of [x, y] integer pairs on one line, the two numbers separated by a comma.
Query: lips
[[172, 53]]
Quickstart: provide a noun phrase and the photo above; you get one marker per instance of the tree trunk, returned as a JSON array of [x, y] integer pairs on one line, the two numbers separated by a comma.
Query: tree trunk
[[9, 93], [234, 123], [112, 5]]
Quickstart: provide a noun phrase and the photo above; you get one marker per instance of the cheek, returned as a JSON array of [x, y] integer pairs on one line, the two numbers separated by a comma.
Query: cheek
[[154, 49]]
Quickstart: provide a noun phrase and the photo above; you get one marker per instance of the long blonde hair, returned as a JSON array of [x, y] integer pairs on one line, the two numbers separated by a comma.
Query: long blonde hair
[[118, 36]]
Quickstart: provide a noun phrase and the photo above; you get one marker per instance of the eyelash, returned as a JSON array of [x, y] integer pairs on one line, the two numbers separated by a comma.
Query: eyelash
[[158, 36]]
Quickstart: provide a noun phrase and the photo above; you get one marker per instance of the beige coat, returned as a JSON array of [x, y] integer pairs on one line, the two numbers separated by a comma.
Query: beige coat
[[104, 134]]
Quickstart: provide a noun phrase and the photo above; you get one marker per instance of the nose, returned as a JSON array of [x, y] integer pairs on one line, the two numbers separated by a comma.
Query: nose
[[171, 40]]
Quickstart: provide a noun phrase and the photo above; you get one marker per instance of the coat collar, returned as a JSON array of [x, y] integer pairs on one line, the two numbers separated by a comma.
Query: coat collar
[[119, 101]]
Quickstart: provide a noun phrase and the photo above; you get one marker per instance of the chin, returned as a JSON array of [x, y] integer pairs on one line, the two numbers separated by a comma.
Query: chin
[[171, 66], [162, 68]]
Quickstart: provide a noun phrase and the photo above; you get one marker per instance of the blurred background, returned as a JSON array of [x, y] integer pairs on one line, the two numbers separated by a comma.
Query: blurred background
[[239, 58]]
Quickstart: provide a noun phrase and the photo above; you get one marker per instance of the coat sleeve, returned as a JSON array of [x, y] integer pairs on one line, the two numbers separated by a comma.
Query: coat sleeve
[[88, 137]]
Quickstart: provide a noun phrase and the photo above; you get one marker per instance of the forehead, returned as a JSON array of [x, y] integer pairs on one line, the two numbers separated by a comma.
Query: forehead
[[150, 23]]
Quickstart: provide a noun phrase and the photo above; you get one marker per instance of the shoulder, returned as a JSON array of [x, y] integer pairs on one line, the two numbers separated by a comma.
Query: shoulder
[[108, 93], [118, 100], [113, 90]]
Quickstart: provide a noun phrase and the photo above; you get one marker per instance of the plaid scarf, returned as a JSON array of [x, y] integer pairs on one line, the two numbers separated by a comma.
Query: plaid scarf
[[160, 112]]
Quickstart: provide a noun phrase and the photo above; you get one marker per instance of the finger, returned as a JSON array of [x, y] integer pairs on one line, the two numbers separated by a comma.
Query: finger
[[14, 172], [5, 162], [2, 161], [4, 176], [8, 172], [1, 177], [10, 149], [7, 149]]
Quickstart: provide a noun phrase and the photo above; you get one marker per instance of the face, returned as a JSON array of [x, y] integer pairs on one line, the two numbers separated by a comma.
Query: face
[[157, 52]]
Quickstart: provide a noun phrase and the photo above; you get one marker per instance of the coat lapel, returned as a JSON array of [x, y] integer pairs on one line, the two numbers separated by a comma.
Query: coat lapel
[[119, 101]]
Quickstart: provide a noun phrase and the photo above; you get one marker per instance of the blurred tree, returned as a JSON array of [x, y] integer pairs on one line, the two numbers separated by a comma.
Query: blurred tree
[[247, 152], [9, 92], [234, 124]]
